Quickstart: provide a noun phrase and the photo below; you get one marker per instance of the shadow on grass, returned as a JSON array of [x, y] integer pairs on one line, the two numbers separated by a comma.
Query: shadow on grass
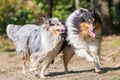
[[10, 50], [104, 70]]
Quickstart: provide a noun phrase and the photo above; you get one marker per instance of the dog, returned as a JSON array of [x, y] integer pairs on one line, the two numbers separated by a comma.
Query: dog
[[83, 38], [20, 36], [40, 43]]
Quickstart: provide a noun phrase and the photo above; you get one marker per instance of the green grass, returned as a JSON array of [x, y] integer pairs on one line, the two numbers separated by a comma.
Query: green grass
[[6, 44], [12, 54], [115, 78], [111, 48], [110, 45]]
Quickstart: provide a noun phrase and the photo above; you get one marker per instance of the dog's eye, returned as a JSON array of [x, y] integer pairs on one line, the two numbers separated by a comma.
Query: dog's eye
[[62, 22], [57, 24], [52, 24], [88, 22]]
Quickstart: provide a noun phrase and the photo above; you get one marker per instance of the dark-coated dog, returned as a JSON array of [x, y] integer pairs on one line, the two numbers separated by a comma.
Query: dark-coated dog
[[83, 37]]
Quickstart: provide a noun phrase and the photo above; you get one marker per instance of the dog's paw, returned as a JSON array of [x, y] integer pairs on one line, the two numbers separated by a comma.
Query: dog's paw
[[42, 76], [32, 69], [98, 70], [24, 73], [66, 71]]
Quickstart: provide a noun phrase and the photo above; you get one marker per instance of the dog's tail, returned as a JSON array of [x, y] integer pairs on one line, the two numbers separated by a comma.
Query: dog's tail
[[11, 30]]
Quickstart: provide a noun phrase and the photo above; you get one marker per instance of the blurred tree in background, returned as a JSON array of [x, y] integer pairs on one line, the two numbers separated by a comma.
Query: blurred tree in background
[[30, 11], [17, 12], [110, 14]]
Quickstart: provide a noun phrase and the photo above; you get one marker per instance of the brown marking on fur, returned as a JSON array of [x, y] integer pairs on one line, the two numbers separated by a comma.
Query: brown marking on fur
[[84, 30], [98, 28], [54, 30]]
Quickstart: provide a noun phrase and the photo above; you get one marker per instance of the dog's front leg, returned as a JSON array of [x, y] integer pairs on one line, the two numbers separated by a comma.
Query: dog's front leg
[[96, 62], [95, 52], [96, 67], [82, 52]]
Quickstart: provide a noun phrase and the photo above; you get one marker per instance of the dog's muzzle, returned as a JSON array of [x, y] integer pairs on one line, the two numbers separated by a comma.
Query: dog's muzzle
[[61, 30]]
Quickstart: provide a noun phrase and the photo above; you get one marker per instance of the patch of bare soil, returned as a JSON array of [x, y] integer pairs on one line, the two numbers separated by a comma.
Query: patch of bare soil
[[79, 69]]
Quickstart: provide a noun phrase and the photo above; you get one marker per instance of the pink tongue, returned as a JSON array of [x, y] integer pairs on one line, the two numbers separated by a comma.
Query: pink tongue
[[92, 34]]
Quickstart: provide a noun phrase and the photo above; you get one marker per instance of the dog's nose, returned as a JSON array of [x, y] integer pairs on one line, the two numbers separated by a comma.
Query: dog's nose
[[93, 29]]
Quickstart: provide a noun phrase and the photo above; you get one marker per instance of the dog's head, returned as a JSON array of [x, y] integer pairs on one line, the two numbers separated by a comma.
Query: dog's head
[[55, 26], [88, 24]]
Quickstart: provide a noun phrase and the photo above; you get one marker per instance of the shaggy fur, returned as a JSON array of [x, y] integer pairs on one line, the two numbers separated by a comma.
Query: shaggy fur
[[20, 37], [40, 43], [84, 36]]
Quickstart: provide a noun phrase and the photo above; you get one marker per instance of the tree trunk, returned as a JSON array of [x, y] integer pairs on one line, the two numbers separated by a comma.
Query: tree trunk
[[117, 5], [116, 22], [117, 10], [77, 4], [49, 9], [103, 7]]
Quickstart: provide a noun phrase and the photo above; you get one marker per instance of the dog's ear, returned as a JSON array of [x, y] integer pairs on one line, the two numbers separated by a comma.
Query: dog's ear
[[96, 15], [82, 11], [93, 11], [44, 19], [63, 22]]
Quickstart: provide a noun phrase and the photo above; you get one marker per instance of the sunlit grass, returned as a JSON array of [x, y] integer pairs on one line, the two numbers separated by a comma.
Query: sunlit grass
[[12, 54], [6, 44], [115, 78], [109, 45]]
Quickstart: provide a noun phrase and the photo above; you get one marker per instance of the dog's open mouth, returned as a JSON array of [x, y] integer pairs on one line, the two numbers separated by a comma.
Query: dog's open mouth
[[92, 34], [61, 30]]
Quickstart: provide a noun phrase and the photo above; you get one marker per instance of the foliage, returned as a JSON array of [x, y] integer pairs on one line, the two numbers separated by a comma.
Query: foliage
[[85, 3], [6, 44], [29, 11], [62, 10], [14, 13]]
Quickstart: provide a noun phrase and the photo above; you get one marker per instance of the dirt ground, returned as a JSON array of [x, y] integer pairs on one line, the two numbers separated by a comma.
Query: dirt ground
[[79, 69]]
